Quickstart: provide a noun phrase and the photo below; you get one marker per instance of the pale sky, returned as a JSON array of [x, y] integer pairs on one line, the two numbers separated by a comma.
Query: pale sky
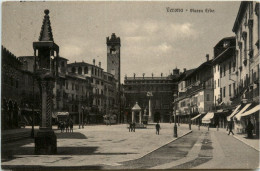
[[152, 39]]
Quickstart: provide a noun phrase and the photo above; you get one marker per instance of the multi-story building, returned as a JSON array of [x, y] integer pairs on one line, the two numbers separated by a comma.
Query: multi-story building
[[162, 88], [195, 92], [246, 28], [225, 78], [19, 97], [103, 92]]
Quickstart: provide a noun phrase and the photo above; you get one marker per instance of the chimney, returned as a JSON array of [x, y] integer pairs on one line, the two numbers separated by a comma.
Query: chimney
[[94, 61], [207, 57], [184, 69], [99, 64]]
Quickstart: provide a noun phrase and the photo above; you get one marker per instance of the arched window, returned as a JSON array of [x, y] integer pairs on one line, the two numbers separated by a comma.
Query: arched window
[[86, 70], [79, 70], [73, 70]]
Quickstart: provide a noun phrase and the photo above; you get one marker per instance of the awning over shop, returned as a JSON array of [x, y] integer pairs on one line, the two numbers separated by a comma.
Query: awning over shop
[[251, 111], [238, 115], [195, 117], [233, 113], [207, 117]]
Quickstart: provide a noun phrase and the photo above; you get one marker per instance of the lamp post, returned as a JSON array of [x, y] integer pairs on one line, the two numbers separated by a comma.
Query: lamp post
[[190, 119], [82, 118], [175, 134]]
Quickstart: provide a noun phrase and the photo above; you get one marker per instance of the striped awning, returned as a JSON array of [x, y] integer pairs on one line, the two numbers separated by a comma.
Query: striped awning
[[207, 117], [238, 115], [233, 113], [195, 117], [251, 111]]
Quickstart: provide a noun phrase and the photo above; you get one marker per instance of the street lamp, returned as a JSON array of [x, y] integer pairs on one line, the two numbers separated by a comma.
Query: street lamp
[[82, 118], [79, 120], [190, 119], [175, 126]]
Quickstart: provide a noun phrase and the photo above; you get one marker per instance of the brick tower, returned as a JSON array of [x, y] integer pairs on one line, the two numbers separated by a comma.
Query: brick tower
[[113, 67], [113, 57]]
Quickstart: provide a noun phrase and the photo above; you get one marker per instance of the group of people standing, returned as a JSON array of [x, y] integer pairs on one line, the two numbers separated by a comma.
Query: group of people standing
[[249, 128], [66, 125], [132, 126]]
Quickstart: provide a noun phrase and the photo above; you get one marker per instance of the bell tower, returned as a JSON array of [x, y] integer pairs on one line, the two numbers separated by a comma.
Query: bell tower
[[113, 57]]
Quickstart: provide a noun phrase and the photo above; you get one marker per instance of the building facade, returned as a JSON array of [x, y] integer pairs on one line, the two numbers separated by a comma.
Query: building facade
[[162, 88], [196, 92], [246, 29]]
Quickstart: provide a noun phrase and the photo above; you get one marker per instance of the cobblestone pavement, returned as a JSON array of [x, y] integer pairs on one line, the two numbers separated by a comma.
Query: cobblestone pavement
[[113, 147], [91, 147], [199, 150]]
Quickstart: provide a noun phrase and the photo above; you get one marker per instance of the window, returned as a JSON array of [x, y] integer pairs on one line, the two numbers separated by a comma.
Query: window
[[220, 72], [229, 89], [95, 71], [79, 70], [229, 67], [67, 85], [220, 93], [97, 82], [234, 66], [224, 92], [86, 70], [215, 84], [92, 70], [73, 70], [208, 98], [72, 86], [234, 88], [224, 70], [72, 97]]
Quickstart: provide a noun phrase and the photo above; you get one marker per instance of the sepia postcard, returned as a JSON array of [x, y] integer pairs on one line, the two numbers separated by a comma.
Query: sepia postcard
[[112, 85]]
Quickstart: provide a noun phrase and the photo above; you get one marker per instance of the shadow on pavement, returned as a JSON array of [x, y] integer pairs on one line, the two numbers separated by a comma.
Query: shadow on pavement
[[70, 135], [31, 168]]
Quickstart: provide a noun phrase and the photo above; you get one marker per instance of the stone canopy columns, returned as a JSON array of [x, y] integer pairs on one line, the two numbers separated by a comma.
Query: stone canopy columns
[[140, 116]]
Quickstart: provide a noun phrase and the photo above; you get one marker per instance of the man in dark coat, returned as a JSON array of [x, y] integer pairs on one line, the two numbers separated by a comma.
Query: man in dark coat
[[249, 129], [157, 126], [230, 126]]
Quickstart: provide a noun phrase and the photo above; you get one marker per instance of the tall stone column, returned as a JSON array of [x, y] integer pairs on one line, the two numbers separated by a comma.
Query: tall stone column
[[133, 116], [150, 119]]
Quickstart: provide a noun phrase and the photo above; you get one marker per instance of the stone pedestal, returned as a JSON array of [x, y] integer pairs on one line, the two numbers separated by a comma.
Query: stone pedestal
[[45, 142]]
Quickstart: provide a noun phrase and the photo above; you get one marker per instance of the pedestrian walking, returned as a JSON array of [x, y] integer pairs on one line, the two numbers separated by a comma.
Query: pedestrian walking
[[130, 127], [230, 126], [249, 129], [67, 126], [71, 125], [157, 126], [133, 126], [62, 126]]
